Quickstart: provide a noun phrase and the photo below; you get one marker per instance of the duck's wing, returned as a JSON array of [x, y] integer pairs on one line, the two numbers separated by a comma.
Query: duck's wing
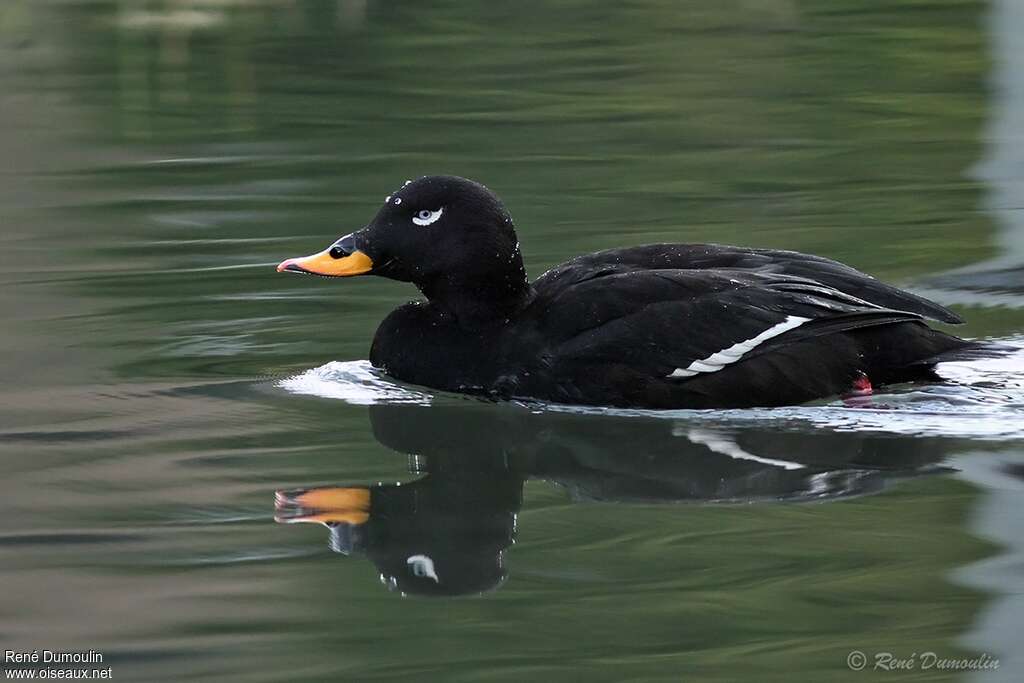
[[684, 323], [832, 274]]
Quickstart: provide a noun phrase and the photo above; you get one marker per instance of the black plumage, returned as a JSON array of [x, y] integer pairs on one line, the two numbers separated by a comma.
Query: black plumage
[[654, 326]]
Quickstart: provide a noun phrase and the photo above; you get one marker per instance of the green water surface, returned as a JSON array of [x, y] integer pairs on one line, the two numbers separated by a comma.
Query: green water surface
[[158, 158]]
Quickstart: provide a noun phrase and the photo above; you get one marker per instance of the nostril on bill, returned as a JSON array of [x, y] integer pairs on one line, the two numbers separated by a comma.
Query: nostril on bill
[[346, 246]]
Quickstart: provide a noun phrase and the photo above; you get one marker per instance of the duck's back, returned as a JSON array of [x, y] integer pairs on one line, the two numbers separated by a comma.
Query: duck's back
[[830, 273], [699, 326]]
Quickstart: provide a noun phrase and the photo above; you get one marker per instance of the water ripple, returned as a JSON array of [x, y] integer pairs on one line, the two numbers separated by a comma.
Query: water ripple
[[981, 399]]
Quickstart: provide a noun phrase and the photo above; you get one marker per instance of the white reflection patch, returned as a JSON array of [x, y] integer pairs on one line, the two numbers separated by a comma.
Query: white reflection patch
[[422, 565]]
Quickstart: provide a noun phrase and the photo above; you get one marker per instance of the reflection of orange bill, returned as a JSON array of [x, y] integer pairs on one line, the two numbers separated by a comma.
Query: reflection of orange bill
[[324, 505], [331, 517]]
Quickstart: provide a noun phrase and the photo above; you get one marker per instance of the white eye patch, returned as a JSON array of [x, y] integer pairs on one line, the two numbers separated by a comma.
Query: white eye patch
[[426, 216]]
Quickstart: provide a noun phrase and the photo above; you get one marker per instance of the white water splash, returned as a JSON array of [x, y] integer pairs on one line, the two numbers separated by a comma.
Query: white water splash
[[355, 382]]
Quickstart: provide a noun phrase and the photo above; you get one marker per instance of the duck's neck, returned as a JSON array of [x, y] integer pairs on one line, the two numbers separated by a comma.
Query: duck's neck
[[480, 301]]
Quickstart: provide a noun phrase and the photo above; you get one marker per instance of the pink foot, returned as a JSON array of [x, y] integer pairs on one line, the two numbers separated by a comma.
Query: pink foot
[[862, 386], [858, 395]]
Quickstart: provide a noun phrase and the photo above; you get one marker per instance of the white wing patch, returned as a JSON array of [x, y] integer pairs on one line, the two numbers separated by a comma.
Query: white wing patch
[[720, 359]]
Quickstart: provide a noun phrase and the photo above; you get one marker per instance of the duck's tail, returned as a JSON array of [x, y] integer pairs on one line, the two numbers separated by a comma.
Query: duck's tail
[[970, 350]]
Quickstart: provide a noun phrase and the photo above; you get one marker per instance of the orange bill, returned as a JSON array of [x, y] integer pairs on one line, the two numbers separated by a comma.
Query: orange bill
[[326, 263]]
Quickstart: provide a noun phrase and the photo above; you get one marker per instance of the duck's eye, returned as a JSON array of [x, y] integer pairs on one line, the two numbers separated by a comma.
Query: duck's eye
[[426, 216]]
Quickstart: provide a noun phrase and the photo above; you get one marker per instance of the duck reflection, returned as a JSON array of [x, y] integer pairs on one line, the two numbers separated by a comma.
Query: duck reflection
[[446, 532]]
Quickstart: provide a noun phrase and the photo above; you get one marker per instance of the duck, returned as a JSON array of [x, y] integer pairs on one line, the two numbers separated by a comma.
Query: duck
[[655, 326]]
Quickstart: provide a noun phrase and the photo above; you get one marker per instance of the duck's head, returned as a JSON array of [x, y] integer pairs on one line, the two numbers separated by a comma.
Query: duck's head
[[449, 236]]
